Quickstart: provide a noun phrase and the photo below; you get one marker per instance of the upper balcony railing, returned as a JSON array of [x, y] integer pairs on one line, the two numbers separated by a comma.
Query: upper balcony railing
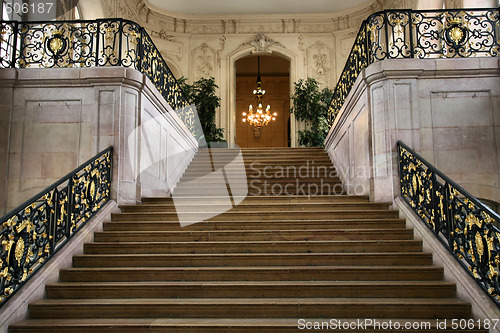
[[398, 34], [103, 42]]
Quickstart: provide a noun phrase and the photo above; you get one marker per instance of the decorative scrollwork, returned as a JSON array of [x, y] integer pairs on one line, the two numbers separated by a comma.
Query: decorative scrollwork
[[418, 34], [39, 227], [463, 224]]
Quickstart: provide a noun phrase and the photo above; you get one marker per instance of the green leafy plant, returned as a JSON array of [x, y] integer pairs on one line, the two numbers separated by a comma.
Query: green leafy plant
[[310, 104], [202, 93]]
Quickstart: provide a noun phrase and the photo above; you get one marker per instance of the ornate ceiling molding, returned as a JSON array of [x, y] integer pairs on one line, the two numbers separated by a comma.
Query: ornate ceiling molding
[[261, 43]]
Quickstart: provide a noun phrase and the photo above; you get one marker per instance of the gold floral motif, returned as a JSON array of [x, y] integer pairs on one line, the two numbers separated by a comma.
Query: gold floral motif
[[456, 34], [10, 222], [472, 219], [109, 34], [22, 225], [134, 37], [479, 244], [25, 275], [2, 35], [56, 45], [19, 251]]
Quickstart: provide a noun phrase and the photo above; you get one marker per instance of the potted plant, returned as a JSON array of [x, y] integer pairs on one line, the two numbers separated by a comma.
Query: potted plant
[[310, 104], [202, 93]]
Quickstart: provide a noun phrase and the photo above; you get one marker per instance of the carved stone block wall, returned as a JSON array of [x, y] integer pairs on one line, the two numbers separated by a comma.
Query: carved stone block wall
[[54, 120]]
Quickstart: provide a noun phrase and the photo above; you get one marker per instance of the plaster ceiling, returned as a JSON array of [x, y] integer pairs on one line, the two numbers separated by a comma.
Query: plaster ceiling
[[225, 7]]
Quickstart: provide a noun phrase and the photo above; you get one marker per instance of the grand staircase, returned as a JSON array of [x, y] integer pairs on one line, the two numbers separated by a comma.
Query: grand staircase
[[310, 252]]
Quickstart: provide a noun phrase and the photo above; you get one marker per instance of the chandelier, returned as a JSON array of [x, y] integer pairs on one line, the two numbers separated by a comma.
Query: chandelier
[[258, 117]]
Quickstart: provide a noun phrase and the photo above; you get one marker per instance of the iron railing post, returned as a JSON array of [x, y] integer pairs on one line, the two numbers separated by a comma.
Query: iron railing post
[[69, 207], [448, 214], [120, 41], [98, 39], [410, 27], [53, 220], [435, 212], [385, 27], [14, 45], [140, 50]]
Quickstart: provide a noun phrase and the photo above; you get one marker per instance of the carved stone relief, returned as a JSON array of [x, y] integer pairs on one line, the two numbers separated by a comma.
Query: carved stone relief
[[209, 28], [162, 34], [253, 27], [204, 61], [161, 23], [125, 12], [262, 43], [318, 58], [143, 11], [318, 27]]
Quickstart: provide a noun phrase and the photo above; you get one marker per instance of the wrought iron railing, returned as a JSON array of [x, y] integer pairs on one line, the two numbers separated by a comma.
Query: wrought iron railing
[[465, 226], [103, 42], [397, 34], [35, 230]]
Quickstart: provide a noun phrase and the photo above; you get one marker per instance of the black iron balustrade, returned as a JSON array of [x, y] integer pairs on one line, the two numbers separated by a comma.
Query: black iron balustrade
[[103, 42], [35, 230], [398, 34], [465, 226]]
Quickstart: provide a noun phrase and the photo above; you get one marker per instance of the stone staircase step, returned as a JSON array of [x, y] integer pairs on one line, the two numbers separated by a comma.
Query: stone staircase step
[[280, 246], [274, 199], [252, 259], [223, 325], [253, 235], [259, 173], [258, 191], [287, 207], [250, 308], [259, 182], [255, 273], [269, 158], [261, 215], [251, 289], [251, 225]]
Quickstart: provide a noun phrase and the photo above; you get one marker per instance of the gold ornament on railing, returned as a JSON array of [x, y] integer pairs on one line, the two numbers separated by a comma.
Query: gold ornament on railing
[[259, 117]]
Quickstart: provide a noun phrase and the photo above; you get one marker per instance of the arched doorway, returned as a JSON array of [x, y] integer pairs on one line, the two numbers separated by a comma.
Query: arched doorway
[[275, 74]]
